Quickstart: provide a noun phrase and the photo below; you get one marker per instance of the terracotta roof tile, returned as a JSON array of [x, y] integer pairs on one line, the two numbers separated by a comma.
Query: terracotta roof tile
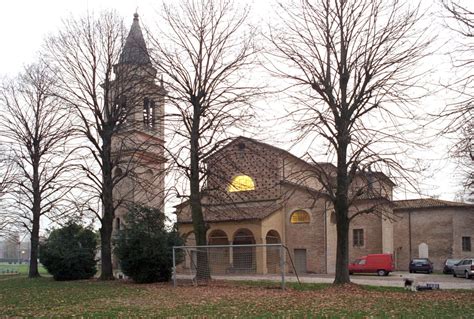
[[427, 203], [231, 212]]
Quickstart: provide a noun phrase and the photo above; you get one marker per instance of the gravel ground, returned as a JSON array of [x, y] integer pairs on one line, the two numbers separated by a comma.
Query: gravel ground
[[395, 279]]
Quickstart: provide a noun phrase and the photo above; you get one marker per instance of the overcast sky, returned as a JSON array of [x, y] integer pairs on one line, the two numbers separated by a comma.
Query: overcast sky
[[24, 24]]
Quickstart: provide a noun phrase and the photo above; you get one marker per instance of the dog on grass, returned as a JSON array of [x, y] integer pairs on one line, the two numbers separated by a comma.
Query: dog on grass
[[409, 284]]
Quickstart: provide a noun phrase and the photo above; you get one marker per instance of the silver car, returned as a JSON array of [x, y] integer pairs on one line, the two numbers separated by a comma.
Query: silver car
[[464, 268]]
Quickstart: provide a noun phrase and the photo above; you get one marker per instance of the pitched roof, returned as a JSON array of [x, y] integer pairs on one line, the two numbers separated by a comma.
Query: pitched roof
[[239, 139], [232, 212], [325, 166], [427, 203], [134, 50]]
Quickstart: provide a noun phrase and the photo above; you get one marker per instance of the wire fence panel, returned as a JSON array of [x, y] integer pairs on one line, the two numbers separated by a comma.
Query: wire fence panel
[[195, 264]]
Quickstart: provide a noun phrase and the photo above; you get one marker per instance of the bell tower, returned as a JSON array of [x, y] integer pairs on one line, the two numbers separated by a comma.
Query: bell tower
[[138, 143]]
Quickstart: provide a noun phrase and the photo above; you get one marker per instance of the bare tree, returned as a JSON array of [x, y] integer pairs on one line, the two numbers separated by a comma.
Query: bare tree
[[36, 127], [352, 66], [104, 76], [7, 174], [205, 56], [461, 113], [464, 152]]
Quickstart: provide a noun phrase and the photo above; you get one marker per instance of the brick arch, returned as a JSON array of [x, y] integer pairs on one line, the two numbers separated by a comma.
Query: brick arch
[[219, 258], [244, 258], [272, 237], [273, 252], [243, 236], [218, 237], [190, 239], [190, 259]]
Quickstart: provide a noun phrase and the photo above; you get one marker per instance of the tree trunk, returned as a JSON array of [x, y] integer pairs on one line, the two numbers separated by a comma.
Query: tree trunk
[[33, 271], [108, 211], [200, 229], [342, 211], [36, 210], [106, 252], [342, 254], [202, 267]]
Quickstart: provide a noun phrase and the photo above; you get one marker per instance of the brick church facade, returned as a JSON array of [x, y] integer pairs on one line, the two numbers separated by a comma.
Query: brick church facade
[[259, 194]]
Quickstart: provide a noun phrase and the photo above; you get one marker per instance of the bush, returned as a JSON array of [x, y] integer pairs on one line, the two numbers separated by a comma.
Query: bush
[[69, 253], [144, 246]]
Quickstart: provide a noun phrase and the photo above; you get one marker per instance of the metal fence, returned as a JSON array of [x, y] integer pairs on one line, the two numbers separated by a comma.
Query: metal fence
[[200, 263], [14, 266]]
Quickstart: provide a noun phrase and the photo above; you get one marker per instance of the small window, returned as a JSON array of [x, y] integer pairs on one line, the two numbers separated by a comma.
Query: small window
[[118, 223], [121, 111], [299, 217], [118, 172], [466, 243], [333, 218], [151, 122], [358, 238], [148, 175], [241, 183], [148, 113]]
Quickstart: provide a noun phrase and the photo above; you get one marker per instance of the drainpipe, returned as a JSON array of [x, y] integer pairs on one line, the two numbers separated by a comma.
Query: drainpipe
[[409, 232], [285, 200], [325, 237]]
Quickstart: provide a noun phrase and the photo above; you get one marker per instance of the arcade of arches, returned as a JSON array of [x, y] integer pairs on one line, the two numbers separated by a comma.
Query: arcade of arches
[[241, 259]]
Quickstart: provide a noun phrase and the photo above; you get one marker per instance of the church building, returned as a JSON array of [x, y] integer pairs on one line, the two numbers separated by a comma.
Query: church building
[[138, 145], [259, 194]]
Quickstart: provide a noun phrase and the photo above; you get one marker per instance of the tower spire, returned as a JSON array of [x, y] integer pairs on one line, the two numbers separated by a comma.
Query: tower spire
[[135, 51]]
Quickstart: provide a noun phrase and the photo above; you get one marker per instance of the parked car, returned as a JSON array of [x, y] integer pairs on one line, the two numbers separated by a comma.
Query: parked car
[[448, 265], [464, 268], [421, 264], [381, 264]]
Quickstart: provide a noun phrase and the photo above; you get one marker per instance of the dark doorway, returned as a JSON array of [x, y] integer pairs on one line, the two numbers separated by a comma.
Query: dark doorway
[[300, 261]]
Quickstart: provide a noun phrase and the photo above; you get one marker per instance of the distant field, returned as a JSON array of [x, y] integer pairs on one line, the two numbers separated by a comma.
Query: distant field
[[44, 297], [22, 269]]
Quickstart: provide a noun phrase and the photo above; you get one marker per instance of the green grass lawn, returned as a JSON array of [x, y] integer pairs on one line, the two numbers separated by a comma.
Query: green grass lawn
[[22, 269], [43, 297]]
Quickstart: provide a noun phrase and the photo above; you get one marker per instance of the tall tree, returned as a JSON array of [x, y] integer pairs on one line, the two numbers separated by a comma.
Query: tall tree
[[460, 114], [102, 76], [37, 128], [7, 175], [205, 55], [354, 65]]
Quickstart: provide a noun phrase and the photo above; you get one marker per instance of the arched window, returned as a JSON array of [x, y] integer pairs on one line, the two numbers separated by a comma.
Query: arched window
[[218, 237], [241, 183], [120, 111], [244, 257], [299, 217], [148, 175], [333, 217], [118, 172], [273, 253], [148, 113], [152, 114]]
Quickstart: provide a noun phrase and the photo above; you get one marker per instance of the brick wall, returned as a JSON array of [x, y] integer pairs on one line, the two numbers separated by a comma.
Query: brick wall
[[372, 229], [244, 157], [307, 236], [432, 226], [463, 225]]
